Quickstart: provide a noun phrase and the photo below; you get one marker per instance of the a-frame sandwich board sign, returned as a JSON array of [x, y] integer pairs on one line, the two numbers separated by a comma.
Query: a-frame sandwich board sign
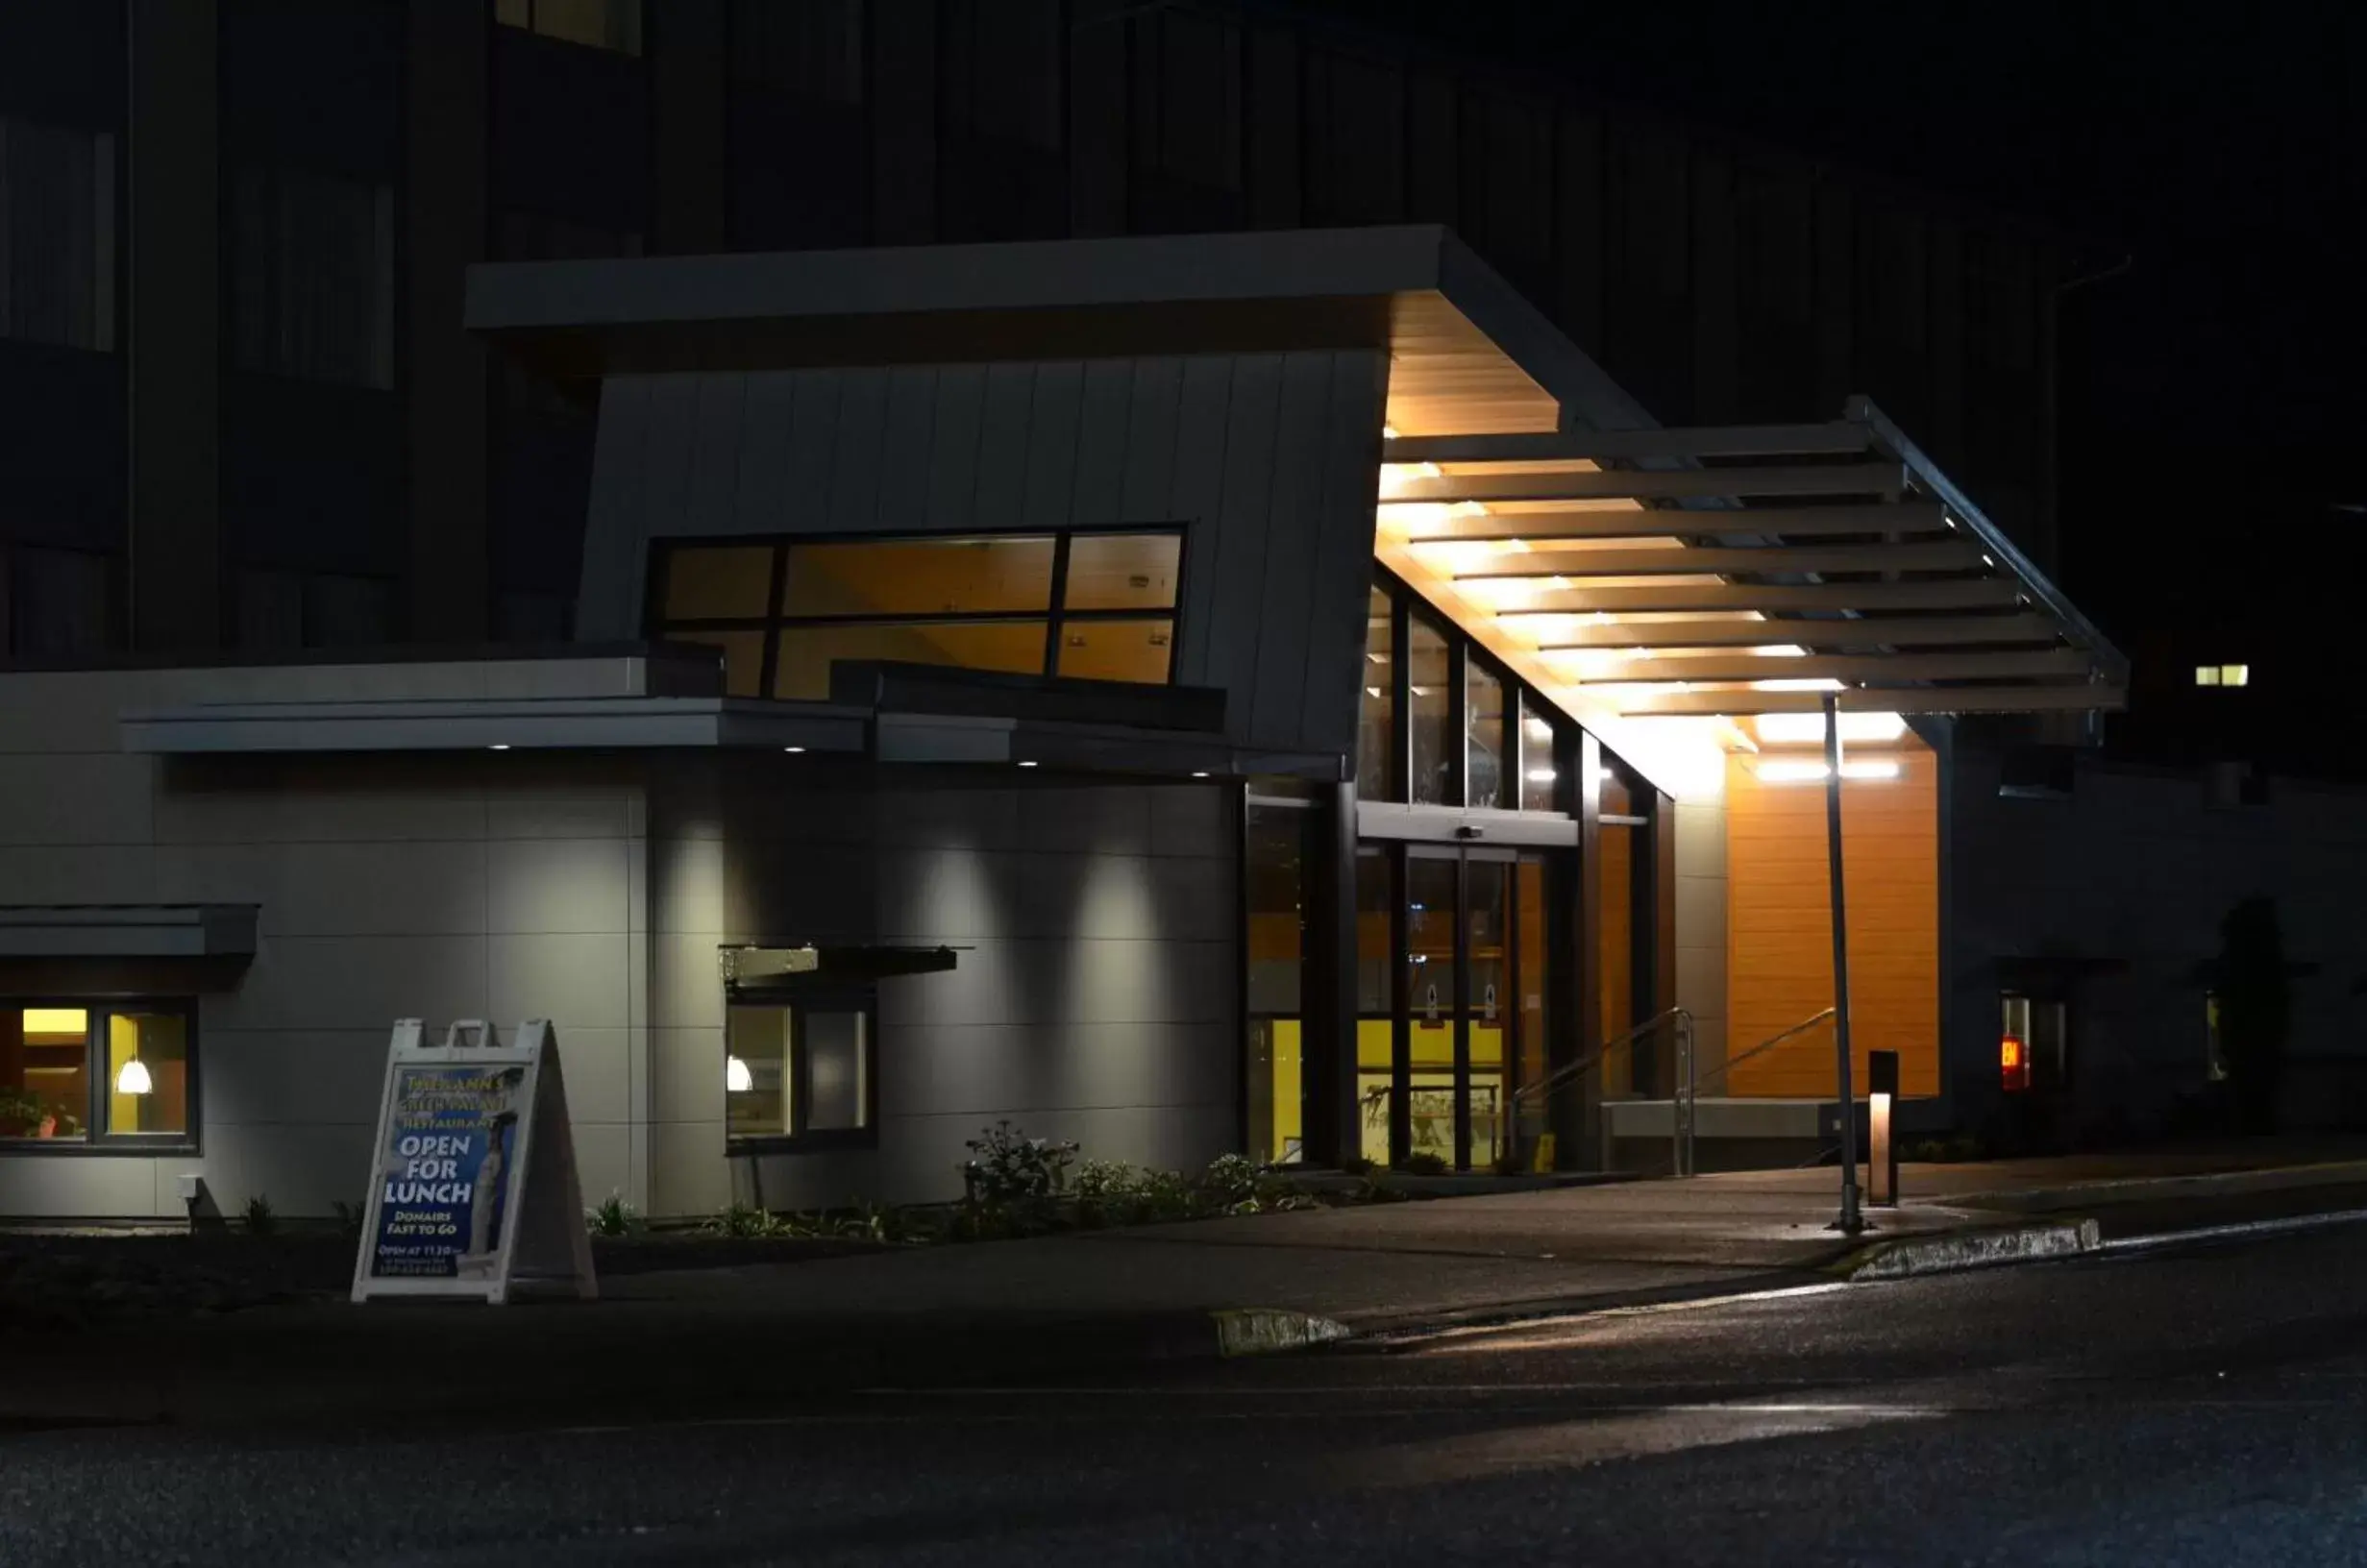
[[473, 1190]]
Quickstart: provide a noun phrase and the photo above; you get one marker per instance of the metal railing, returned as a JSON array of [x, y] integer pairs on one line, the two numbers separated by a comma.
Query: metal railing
[[1691, 1089], [1682, 1135]]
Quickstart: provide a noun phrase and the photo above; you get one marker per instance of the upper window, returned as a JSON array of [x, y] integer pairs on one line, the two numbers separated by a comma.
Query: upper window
[[312, 276], [76, 1075], [1094, 606], [598, 24], [2223, 675], [57, 235]]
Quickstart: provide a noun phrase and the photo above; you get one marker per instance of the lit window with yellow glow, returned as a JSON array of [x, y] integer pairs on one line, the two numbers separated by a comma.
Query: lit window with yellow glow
[[113, 1074], [2223, 675]]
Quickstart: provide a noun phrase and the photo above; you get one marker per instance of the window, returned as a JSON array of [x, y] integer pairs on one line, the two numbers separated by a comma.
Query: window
[[2223, 675], [810, 49], [1539, 769], [1486, 780], [312, 276], [1275, 882], [1091, 606], [597, 24], [801, 1072], [1376, 729], [57, 235], [78, 1074], [1431, 703], [56, 603]]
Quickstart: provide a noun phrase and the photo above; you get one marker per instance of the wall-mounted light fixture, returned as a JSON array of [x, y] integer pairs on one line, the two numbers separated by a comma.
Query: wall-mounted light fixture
[[1802, 770]]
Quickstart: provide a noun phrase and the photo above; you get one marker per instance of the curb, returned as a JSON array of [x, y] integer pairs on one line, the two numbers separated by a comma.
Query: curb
[[1952, 1251], [2155, 1189], [1267, 1330]]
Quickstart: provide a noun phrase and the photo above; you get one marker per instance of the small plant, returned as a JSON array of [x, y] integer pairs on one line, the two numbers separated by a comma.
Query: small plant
[[869, 1222], [1230, 1182], [260, 1219], [348, 1214], [1423, 1163], [1355, 1165], [743, 1221], [1006, 1166], [1110, 1191], [614, 1218], [22, 1115]]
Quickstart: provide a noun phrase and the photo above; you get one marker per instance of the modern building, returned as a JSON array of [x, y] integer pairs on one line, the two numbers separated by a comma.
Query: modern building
[[1265, 692], [1244, 689]]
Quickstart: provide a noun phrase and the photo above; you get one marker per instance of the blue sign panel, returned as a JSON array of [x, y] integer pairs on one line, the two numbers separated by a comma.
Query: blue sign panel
[[447, 1171]]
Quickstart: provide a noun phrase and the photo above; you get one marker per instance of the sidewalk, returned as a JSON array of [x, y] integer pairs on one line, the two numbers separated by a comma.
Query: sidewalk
[[713, 1340]]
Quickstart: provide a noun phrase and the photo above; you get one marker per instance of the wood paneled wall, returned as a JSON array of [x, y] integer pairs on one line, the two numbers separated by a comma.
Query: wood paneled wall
[[1779, 931]]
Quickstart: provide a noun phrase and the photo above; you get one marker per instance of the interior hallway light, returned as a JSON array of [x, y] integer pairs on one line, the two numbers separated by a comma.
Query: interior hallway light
[[737, 1079], [134, 1079], [1030, 763], [498, 746], [1543, 776], [793, 750], [1809, 728]]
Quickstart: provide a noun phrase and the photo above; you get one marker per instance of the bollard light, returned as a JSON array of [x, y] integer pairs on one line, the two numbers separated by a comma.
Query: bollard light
[[1882, 1184]]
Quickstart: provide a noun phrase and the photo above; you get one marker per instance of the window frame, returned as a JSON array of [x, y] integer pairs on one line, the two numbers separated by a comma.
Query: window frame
[[1055, 615], [801, 999], [96, 1142]]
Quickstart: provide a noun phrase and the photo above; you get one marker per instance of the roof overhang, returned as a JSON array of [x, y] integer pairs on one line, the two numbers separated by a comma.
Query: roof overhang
[[117, 931], [1468, 353], [1720, 574]]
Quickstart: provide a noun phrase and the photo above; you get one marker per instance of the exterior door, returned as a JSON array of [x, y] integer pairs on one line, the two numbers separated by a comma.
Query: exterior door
[[1468, 1024]]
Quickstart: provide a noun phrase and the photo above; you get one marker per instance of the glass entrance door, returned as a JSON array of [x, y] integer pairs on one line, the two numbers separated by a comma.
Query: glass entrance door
[[1465, 1010]]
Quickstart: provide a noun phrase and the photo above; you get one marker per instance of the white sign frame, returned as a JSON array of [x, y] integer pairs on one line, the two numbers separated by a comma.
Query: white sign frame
[[544, 1248]]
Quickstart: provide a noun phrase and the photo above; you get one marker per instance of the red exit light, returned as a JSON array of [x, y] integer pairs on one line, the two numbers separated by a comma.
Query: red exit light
[[2014, 1063]]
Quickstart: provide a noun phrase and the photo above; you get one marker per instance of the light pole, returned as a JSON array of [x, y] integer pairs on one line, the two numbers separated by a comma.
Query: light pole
[[1850, 1223]]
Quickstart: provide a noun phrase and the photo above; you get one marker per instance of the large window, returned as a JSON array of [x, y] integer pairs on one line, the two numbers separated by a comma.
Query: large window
[[84, 1075], [57, 235], [1094, 606], [597, 24], [1442, 724], [1275, 882], [801, 1072], [312, 276]]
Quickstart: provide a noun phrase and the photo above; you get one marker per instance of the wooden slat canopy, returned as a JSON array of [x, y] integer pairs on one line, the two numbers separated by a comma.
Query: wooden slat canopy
[[1740, 571]]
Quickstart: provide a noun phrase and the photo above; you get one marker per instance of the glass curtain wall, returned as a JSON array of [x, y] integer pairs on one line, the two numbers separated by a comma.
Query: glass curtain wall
[[1276, 885]]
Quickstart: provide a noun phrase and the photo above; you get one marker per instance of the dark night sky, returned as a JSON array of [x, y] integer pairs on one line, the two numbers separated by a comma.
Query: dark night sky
[[2214, 400]]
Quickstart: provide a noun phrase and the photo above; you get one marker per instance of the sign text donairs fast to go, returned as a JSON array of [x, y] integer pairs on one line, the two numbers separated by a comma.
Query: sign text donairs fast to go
[[474, 1189]]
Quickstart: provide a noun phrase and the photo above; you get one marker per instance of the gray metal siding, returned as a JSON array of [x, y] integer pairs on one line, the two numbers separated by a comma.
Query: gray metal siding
[[1267, 460]]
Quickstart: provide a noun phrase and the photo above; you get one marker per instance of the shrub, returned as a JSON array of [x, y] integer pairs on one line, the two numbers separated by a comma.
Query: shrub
[[349, 1215], [614, 1218], [1110, 1191], [1423, 1163], [1230, 1181], [260, 1217], [744, 1220], [1006, 1166]]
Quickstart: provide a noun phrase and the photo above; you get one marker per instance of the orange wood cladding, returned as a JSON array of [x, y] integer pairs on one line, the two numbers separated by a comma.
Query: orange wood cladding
[[1779, 930]]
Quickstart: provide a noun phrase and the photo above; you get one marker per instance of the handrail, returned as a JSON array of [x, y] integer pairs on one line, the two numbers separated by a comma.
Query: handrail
[[1680, 1132], [1573, 1069], [1771, 1041]]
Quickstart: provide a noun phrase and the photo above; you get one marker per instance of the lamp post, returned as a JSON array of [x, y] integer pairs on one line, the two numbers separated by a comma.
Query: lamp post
[[1850, 1221]]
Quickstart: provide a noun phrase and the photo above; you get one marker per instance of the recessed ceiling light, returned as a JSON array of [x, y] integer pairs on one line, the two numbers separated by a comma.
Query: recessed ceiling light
[[793, 750], [1199, 772], [498, 746], [1027, 765]]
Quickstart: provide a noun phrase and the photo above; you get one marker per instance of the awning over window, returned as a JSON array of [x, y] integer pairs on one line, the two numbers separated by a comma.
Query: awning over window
[[1736, 570], [127, 930]]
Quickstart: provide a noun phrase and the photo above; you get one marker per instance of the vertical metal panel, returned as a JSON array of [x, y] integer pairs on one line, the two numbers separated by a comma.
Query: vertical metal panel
[[1050, 475], [903, 51], [1245, 505], [665, 481], [1271, 148], [1197, 456], [1279, 640], [1835, 242], [1097, 489], [907, 448], [998, 498], [1714, 297], [813, 433], [1151, 428], [855, 456], [953, 443], [767, 411], [1341, 571], [615, 550], [1430, 148], [710, 504]]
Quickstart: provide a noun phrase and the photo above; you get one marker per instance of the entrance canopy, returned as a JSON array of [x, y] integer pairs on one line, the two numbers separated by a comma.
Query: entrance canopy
[[1732, 571]]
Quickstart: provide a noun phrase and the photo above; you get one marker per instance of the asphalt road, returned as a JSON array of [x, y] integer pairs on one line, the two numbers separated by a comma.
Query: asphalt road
[[2198, 1407]]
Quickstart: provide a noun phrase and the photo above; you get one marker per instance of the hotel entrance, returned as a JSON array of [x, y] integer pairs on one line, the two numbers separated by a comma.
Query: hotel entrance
[[1454, 988]]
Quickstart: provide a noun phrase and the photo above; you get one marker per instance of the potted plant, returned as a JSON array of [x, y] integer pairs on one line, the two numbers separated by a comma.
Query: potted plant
[[22, 1115]]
